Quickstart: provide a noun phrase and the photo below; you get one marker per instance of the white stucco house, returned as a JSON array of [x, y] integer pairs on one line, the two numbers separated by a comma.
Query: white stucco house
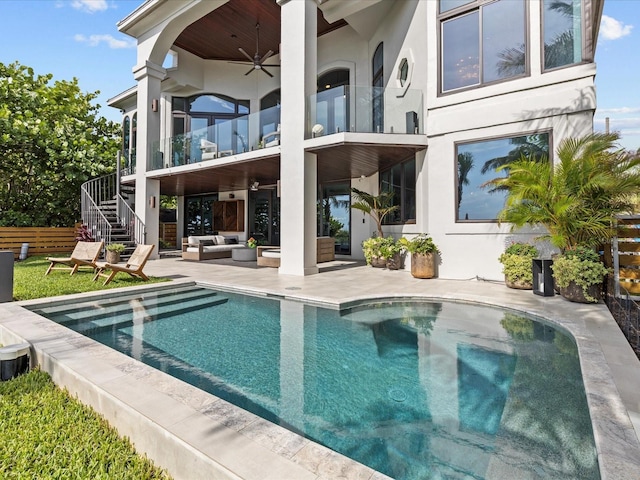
[[261, 115]]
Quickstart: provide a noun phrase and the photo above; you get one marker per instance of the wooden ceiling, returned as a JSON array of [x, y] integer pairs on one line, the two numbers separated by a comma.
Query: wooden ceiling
[[218, 35], [337, 162]]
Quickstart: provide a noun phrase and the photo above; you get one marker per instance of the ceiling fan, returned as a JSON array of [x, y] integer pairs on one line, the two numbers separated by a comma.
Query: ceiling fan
[[257, 60]]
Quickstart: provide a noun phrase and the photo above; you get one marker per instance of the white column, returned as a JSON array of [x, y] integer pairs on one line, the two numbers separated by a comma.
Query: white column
[[147, 200], [298, 170]]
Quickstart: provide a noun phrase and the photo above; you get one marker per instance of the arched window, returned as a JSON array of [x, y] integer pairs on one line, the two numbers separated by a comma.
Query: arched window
[[269, 112], [134, 139], [126, 140], [377, 107], [216, 118], [332, 110]]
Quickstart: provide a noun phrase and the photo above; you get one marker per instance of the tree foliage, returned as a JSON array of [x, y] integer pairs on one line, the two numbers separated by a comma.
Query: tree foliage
[[578, 198], [51, 141]]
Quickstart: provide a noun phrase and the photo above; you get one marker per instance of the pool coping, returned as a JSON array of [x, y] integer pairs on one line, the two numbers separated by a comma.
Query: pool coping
[[196, 435]]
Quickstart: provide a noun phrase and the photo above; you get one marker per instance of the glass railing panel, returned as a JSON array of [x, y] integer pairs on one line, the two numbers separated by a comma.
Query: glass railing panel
[[227, 137], [365, 110]]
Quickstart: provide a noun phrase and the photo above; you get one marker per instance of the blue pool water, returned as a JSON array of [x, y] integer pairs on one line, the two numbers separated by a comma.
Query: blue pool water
[[415, 390]]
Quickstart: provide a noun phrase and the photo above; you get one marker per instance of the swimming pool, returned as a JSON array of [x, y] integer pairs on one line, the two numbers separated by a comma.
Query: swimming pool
[[412, 389]]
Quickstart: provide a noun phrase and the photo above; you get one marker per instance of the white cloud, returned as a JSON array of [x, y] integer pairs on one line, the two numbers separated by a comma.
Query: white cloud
[[90, 6], [612, 29], [95, 40]]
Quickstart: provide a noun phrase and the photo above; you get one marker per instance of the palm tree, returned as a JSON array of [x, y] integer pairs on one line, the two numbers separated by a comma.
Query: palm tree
[[578, 198], [465, 164], [376, 206]]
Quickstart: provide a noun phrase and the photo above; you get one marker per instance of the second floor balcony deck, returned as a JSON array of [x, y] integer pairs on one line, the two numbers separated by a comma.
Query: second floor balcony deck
[[352, 109]]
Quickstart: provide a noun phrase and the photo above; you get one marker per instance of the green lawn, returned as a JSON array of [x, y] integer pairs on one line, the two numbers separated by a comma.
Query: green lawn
[[44, 433], [29, 280]]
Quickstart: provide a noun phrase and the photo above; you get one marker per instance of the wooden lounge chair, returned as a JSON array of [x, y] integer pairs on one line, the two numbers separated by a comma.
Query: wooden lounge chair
[[133, 267], [85, 254]]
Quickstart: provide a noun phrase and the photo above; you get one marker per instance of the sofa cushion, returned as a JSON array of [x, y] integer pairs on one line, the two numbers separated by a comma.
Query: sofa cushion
[[271, 253], [219, 239]]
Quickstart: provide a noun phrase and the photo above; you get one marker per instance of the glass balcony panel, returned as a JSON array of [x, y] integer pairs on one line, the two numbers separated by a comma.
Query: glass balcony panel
[[203, 143], [365, 110]]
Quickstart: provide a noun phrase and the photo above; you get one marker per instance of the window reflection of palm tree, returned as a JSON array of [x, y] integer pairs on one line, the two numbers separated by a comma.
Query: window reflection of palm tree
[[534, 147], [558, 52], [465, 164]]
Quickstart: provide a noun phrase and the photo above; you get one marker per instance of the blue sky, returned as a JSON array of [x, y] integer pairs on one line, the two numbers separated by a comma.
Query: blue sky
[[79, 38]]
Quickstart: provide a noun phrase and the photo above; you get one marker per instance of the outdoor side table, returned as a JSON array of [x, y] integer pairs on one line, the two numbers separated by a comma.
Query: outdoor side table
[[244, 254]]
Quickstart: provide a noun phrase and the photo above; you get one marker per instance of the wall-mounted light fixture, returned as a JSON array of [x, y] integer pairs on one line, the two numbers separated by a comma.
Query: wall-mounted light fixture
[[254, 186], [152, 201], [154, 105]]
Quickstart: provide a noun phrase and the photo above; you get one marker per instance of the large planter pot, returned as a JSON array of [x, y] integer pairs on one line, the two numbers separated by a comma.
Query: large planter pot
[[395, 262], [575, 293], [518, 284], [423, 265], [112, 257], [378, 262]]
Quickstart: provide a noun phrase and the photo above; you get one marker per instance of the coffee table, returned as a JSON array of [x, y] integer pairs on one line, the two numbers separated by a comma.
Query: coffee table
[[243, 254]]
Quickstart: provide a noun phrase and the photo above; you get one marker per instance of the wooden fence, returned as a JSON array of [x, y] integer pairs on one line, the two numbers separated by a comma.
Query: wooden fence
[[41, 240], [168, 233], [624, 254]]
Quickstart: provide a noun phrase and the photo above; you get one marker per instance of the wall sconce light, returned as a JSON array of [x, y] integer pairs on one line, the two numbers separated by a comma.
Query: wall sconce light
[[232, 195], [152, 201], [154, 105], [254, 186]]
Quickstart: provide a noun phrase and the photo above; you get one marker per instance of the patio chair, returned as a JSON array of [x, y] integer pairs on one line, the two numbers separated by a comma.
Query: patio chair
[[85, 254], [272, 139], [133, 267], [209, 149]]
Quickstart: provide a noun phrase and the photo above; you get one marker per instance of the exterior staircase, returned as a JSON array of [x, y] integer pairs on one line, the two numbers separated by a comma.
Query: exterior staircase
[[108, 215]]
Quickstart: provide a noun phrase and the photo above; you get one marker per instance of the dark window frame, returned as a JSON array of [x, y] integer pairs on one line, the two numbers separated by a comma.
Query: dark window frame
[[456, 145], [404, 213], [461, 11]]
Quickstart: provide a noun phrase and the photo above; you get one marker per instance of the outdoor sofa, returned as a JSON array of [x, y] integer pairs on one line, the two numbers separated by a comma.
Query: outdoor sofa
[[209, 247]]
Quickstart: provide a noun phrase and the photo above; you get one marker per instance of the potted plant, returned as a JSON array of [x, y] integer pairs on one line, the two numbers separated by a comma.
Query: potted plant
[[252, 243], [516, 265], [393, 253], [376, 206], [578, 274], [113, 252], [373, 251], [423, 255]]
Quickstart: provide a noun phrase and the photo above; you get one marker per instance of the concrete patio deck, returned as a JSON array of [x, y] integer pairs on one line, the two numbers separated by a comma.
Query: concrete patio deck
[[196, 435]]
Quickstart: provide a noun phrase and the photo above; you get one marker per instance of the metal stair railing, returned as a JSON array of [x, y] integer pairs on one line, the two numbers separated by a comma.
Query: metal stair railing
[[93, 217], [130, 221], [105, 189]]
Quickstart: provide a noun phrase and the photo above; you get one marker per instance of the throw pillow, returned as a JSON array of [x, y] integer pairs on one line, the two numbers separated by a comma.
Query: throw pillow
[[207, 243], [231, 241]]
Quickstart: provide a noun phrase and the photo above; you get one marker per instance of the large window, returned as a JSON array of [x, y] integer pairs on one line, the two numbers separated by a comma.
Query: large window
[[476, 163], [562, 28], [401, 180], [377, 106], [482, 42], [212, 117]]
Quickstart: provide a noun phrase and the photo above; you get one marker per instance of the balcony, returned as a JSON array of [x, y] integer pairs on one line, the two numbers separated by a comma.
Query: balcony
[[365, 110], [337, 110], [231, 137]]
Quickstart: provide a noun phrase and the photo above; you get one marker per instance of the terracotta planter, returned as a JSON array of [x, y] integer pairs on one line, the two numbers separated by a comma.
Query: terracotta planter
[[378, 262], [575, 293], [112, 257], [423, 265], [518, 284]]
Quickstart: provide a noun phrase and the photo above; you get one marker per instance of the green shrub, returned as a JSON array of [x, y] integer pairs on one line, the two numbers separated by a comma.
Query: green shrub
[[379, 247], [516, 262], [48, 434], [423, 243], [116, 247], [581, 266]]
